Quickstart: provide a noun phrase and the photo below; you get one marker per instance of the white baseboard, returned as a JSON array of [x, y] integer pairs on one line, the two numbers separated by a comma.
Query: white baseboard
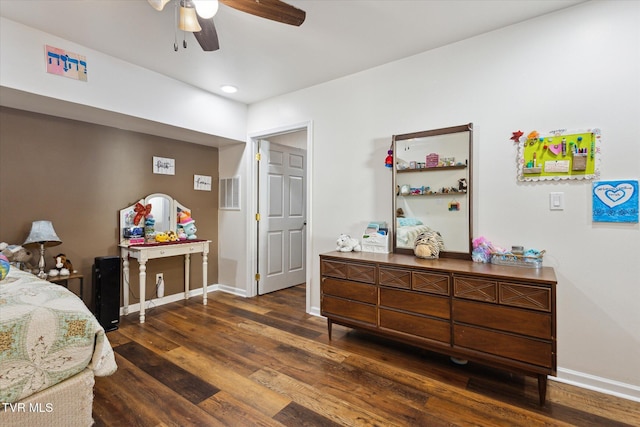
[[134, 308], [599, 384]]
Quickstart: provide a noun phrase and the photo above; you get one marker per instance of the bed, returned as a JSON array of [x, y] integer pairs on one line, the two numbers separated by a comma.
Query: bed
[[407, 230], [51, 347]]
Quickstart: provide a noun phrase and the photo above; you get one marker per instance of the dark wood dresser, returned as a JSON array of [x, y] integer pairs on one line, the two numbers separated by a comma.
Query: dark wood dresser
[[496, 315]]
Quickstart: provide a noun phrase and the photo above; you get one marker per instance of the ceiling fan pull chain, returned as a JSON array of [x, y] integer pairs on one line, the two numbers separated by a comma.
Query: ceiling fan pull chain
[[175, 29]]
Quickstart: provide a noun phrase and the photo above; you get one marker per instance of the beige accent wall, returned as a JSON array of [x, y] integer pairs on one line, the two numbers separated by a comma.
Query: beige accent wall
[[79, 175]]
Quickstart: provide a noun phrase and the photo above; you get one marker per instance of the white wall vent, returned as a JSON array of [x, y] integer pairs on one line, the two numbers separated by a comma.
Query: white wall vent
[[230, 193]]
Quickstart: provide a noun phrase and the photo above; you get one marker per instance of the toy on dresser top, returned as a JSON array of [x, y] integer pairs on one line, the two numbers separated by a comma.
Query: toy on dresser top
[[428, 245], [348, 244]]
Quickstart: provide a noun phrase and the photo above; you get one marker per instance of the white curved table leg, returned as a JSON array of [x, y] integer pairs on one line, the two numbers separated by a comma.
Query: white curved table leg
[[125, 279], [143, 286], [204, 277], [187, 269]]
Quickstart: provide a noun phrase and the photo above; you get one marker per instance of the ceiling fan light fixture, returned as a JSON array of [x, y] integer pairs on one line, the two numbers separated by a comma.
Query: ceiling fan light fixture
[[188, 20], [158, 4], [206, 8], [228, 89]]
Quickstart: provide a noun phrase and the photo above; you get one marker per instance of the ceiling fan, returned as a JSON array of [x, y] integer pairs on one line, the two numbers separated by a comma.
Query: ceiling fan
[[197, 16]]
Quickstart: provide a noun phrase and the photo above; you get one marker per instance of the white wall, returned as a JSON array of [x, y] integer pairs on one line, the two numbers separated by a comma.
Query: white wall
[[233, 261], [113, 86], [575, 69]]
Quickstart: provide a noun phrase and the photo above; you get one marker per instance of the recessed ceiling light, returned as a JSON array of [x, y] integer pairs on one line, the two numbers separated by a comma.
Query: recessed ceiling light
[[229, 89]]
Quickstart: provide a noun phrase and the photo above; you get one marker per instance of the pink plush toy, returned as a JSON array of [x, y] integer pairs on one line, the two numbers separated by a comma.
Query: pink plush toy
[[482, 249]]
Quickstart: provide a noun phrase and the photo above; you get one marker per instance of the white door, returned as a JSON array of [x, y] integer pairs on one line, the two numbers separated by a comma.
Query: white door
[[282, 217]]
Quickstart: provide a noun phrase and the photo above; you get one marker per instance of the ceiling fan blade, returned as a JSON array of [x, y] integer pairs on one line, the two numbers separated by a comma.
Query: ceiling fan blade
[[208, 37], [274, 10]]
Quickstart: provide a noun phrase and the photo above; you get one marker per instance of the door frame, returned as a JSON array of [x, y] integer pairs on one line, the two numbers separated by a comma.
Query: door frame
[[252, 196]]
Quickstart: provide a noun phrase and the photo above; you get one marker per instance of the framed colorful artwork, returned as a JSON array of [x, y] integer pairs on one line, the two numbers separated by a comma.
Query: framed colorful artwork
[[615, 201]]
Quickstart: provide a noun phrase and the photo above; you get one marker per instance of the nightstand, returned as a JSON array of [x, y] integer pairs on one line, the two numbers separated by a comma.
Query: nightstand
[[64, 281]]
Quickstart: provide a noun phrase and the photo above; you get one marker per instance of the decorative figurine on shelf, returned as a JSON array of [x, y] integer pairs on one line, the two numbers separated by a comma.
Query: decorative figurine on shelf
[[388, 162], [462, 185], [188, 225], [428, 245], [348, 244], [63, 266]]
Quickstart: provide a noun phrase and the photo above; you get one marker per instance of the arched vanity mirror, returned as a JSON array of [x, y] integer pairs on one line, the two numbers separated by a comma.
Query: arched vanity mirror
[[433, 189], [163, 211], [162, 208]]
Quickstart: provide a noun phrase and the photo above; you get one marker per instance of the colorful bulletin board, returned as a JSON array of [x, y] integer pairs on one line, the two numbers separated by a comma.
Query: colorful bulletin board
[[559, 155], [615, 201]]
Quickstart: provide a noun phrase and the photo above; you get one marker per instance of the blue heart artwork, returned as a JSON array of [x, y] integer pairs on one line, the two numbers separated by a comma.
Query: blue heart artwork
[[615, 201]]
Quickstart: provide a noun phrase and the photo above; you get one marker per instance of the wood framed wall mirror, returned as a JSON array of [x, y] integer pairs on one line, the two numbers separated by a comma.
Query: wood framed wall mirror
[[432, 185]]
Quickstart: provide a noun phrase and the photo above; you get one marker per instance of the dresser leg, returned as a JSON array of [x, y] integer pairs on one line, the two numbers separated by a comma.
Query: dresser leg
[[329, 324], [542, 388]]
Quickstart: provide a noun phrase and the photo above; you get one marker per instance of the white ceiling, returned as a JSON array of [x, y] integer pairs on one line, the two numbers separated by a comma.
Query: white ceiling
[[264, 58]]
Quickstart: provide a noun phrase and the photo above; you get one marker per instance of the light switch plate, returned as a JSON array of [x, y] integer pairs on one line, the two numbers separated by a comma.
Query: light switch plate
[[556, 201]]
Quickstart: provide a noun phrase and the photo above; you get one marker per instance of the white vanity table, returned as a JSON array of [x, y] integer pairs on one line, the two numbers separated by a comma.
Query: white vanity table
[[143, 253], [165, 212]]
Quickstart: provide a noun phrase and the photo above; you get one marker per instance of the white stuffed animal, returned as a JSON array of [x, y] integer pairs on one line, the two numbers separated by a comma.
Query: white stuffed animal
[[348, 244]]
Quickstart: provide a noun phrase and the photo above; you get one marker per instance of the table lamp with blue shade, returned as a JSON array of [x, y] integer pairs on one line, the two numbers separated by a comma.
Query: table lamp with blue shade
[[43, 234]]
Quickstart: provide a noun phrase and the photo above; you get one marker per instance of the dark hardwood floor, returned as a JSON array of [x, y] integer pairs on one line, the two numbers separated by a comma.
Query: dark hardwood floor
[[265, 362]]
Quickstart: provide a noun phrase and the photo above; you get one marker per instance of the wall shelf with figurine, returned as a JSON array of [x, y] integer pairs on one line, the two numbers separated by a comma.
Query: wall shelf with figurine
[[432, 169], [428, 193], [559, 154]]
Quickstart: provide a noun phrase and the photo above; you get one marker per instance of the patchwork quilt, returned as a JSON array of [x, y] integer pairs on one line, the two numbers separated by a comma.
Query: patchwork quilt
[[47, 335]]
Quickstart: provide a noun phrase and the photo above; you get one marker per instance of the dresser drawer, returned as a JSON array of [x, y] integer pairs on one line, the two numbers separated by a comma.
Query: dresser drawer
[[350, 290], [521, 349], [420, 326], [526, 296], [432, 283], [415, 303], [348, 309], [476, 289], [359, 272], [506, 319], [395, 277]]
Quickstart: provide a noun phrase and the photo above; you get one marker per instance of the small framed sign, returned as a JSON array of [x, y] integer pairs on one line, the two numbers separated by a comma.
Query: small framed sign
[[64, 63], [202, 182], [164, 166]]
